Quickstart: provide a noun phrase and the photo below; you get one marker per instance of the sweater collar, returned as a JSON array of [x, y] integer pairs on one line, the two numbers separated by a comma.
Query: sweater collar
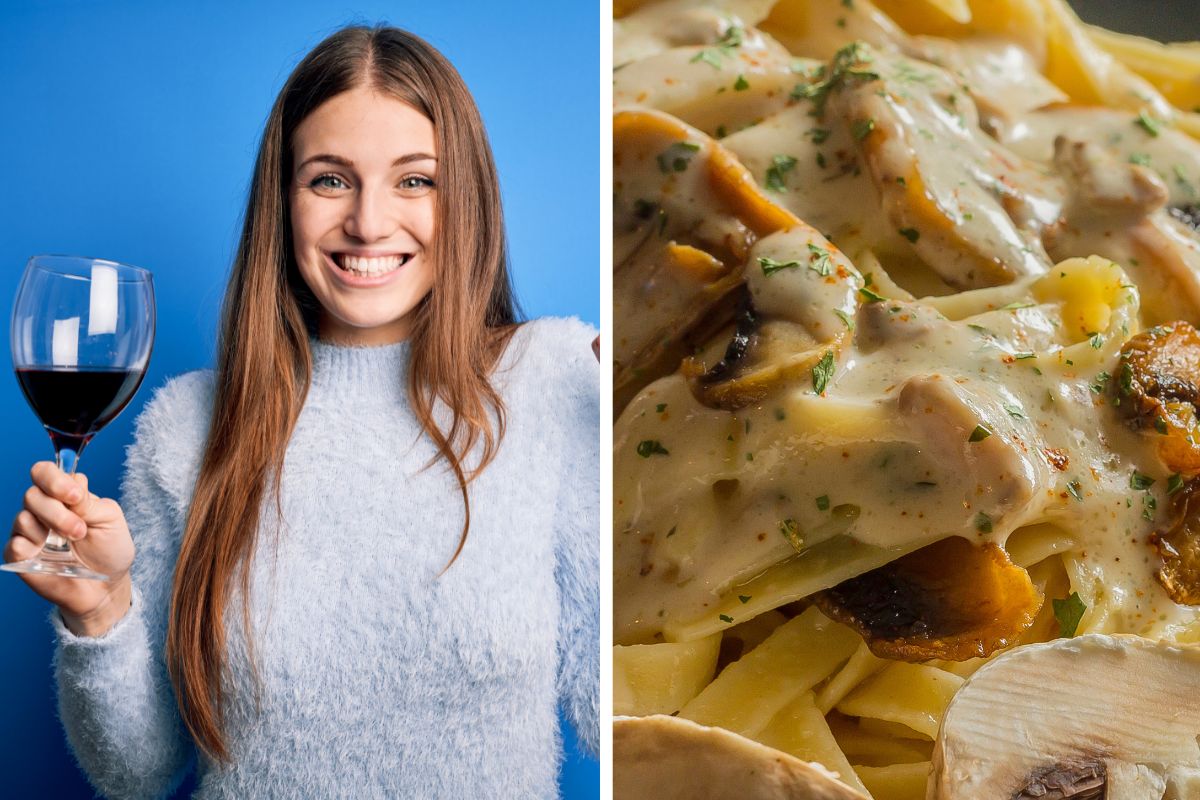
[[379, 371]]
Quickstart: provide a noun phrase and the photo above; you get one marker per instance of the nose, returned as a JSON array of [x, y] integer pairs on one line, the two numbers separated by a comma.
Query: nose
[[373, 216]]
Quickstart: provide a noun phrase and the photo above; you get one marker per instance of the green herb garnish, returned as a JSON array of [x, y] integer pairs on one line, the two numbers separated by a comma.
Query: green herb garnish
[[780, 166], [979, 434], [1140, 481], [1148, 123], [676, 157], [650, 447], [1069, 612], [791, 531], [770, 266], [822, 372]]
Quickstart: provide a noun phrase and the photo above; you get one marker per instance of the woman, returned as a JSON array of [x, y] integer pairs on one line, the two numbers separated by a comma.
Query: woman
[[367, 545]]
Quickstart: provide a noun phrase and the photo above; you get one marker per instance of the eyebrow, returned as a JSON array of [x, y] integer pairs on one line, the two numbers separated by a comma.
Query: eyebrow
[[345, 162]]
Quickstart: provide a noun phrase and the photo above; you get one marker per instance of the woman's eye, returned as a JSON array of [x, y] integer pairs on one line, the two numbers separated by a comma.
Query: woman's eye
[[327, 182], [416, 184]]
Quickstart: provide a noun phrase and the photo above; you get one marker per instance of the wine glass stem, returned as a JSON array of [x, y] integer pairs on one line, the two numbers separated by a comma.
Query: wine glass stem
[[57, 544]]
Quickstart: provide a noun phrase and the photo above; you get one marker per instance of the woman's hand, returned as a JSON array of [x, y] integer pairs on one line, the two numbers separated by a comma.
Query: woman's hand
[[97, 531]]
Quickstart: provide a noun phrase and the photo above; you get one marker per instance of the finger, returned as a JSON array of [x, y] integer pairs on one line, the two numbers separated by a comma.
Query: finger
[[19, 549], [55, 483], [27, 525], [53, 514]]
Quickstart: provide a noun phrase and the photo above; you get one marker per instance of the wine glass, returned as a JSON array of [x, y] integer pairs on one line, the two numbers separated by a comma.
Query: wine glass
[[82, 331]]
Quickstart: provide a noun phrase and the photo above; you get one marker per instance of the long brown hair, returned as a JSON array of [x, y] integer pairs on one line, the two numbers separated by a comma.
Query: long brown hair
[[264, 361]]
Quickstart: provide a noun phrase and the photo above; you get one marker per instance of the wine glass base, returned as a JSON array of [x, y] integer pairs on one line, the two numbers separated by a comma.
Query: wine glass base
[[64, 569]]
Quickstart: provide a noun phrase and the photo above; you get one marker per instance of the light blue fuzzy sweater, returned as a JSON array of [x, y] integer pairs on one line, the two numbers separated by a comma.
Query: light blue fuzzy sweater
[[378, 679]]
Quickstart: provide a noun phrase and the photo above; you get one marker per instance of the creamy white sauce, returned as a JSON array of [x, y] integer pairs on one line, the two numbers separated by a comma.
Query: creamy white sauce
[[882, 461]]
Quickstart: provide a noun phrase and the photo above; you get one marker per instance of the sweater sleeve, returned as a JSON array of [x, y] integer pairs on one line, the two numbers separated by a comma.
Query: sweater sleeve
[[115, 698], [577, 515]]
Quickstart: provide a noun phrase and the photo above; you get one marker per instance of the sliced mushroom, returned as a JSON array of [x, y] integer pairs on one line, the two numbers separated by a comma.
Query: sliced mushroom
[[1101, 184], [685, 215], [935, 170], [952, 600], [1095, 716], [802, 296], [1178, 547], [1157, 388], [663, 758]]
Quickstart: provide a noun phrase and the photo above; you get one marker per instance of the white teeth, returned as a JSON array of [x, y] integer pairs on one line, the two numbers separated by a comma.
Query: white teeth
[[373, 265]]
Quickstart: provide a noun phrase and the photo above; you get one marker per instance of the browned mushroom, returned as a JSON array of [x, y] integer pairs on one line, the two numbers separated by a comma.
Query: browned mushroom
[[1157, 387], [1179, 547], [952, 600], [685, 215]]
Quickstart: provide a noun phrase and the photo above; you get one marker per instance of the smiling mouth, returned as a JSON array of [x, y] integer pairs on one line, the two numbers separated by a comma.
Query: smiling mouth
[[370, 266]]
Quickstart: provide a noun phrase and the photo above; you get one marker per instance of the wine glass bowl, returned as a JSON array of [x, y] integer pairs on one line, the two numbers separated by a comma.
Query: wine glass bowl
[[82, 332]]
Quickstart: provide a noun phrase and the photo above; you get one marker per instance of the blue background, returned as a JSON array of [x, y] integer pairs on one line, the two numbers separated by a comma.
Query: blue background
[[129, 130]]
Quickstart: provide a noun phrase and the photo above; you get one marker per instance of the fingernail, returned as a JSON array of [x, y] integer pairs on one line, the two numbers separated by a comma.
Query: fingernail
[[75, 496], [80, 530]]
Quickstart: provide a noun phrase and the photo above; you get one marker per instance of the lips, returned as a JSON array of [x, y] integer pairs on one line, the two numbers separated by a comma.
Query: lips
[[368, 266]]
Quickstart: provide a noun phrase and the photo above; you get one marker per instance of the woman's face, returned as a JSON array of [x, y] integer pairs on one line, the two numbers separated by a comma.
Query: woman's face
[[362, 201]]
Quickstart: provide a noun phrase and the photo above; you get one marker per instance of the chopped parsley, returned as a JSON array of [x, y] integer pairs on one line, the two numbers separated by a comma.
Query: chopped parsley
[[1141, 159], [983, 523], [671, 532], [650, 447], [818, 135], [844, 317], [676, 157], [821, 160], [1100, 381], [1148, 506], [1014, 411], [1069, 613], [871, 297], [725, 618], [714, 56], [1174, 484], [1126, 379], [1148, 123], [780, 166], [741, 84], [818, 260], [745, 598], [912, 234], [791, 531], [1160, 425], [1097, 341], [843, 70], [862, 128], [770, 266], [1139, 481], [979, 434], [661, 407], [823, 502], [822, 372]]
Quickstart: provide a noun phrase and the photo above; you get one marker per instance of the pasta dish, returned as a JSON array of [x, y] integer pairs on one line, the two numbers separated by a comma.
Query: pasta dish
[[906, 383]]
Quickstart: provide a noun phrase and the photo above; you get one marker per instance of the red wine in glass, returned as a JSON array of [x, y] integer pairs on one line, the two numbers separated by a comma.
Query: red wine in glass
[[74, 404], [82, 332]]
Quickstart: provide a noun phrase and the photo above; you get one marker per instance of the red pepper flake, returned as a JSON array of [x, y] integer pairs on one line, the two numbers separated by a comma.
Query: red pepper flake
[[1056, 457]]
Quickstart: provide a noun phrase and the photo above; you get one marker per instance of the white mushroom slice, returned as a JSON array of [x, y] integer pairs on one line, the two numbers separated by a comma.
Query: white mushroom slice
[[1094, 716], [663, 758]]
